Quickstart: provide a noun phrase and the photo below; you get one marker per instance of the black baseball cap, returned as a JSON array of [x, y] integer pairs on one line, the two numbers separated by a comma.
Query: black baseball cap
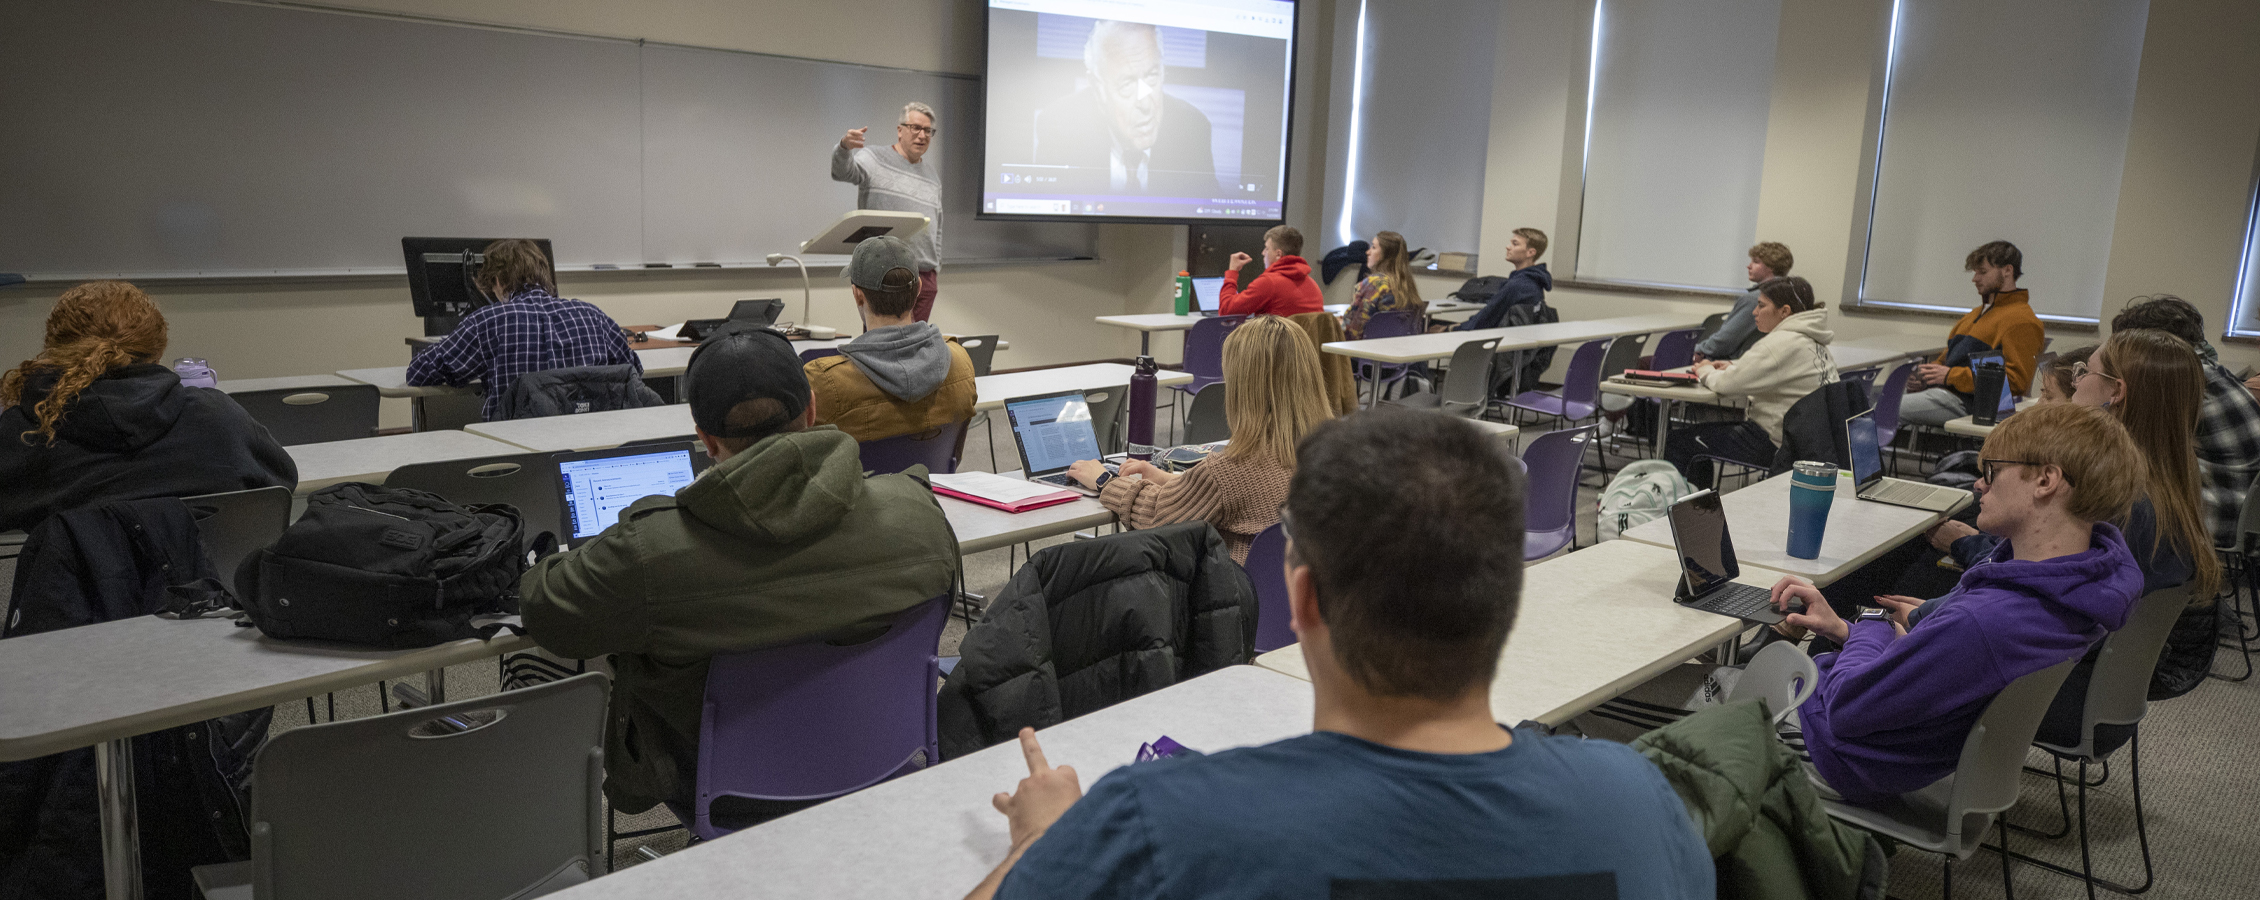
[[740, 365]]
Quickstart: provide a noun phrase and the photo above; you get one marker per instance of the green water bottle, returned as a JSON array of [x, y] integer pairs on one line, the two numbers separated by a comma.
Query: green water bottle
[[1184, 293]]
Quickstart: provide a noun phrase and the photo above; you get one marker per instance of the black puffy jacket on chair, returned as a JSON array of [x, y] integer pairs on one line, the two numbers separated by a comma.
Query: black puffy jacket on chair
[[562, 392], [1813, 428], [1088, 624], [98, 564]]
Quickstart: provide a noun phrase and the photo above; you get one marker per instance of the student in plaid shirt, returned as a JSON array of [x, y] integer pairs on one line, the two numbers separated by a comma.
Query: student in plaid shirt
[[530, 331], [2228, 421]]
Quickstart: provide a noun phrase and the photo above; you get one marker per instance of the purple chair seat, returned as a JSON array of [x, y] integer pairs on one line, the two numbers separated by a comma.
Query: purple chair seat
[[1580, 396], [1553, 461], [817, 720]]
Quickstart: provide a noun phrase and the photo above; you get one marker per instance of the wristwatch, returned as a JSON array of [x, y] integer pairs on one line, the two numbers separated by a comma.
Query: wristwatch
[[1100, 484], [1875, 615]]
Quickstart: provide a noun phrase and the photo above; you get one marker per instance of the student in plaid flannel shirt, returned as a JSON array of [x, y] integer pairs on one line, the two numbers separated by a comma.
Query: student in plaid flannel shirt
[[531, 330]]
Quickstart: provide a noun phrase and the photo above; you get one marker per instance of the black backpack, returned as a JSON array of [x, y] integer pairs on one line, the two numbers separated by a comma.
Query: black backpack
[[385, 567]]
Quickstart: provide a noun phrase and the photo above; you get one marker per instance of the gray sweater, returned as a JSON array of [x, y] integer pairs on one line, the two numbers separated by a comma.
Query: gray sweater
[[885, 180]]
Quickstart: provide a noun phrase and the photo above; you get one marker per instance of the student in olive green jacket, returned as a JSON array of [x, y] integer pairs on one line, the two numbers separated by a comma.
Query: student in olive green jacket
[[782, 541]]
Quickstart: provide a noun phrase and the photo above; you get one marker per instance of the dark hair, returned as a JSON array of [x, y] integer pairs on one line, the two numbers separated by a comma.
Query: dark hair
[[898, 292], [1401, 516], [756, 412], [515, 264], [2163, 312], [1286, 238], [1998, 254], [1792, 291]]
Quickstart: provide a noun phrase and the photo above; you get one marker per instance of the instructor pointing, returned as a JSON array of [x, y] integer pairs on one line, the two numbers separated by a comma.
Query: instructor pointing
[[897, 178]]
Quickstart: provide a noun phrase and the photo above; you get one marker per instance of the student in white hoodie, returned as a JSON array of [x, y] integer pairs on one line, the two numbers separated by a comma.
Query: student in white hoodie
[[1790, 361]]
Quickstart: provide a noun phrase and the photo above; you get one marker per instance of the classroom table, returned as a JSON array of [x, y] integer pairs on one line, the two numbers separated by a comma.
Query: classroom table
[[933, 833], [589, 431], [1413, 348], [372, 458], [1847, 357], [286, 382], [981, 527], [1968, 427], [101, 685], [994, 390], [1592, 624], [1148, 323], [1858, 530], [668, 362], [1924, 346]]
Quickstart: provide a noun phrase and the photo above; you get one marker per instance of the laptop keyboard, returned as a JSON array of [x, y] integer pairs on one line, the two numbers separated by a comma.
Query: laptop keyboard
[[1741, 600], [1892, 490]]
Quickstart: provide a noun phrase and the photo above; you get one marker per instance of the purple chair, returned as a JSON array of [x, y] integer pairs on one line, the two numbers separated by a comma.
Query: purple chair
[[1266, 563], [1580, 397], [1394, 323], [1204, 352], [816, 720], [809, 356], [1554, 462], [1675, 349], [937, 450], [1887, 407]]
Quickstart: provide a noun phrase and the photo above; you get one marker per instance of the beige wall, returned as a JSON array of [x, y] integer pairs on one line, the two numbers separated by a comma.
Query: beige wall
[[2182, 207]]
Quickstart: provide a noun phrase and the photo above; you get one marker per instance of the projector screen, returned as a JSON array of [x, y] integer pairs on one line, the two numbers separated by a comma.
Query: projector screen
[[1137, 110]]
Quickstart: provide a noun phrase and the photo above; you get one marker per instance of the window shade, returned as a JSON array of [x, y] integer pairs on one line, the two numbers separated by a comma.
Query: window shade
[[2004, 120], [1409, 138], [1676, 140]]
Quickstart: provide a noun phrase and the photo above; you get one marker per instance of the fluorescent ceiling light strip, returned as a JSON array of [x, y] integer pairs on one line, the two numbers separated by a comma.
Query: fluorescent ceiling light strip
[[1357, 104]]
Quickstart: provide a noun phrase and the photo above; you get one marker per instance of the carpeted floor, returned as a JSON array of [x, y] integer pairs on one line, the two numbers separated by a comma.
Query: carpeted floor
[[2203, 809]]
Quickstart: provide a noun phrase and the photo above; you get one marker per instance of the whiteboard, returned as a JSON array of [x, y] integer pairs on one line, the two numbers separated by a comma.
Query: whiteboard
[[183, 138]]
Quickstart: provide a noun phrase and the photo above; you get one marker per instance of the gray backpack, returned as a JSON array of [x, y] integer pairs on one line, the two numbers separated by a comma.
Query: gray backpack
[[1640, 493]]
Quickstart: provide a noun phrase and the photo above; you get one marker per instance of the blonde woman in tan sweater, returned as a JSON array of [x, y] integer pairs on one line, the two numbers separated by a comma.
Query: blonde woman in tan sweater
[[1272, 397]]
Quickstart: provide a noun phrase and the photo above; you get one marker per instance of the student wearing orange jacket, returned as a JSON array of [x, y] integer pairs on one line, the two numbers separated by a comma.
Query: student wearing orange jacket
[[2003, 323], [1284, 289]]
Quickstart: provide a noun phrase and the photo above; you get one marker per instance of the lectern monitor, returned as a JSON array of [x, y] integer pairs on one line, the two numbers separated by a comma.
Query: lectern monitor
[[1137, 110], [443, 274]]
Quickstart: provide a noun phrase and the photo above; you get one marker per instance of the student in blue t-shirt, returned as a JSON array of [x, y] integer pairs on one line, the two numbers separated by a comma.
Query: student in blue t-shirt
[[1407, 787]]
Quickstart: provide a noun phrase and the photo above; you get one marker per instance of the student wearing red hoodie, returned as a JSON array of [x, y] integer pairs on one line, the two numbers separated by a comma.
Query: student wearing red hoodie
[[1891, 711], [1284, 289]]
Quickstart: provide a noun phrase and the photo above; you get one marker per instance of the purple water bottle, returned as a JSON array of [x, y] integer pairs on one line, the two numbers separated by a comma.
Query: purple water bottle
[[1142, 383], [194, 373]]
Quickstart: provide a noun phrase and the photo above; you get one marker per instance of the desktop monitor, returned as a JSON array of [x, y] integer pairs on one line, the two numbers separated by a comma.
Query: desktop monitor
[[443, 277]]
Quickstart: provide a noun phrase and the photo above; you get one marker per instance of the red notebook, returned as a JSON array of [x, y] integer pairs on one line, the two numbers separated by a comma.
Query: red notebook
[[1040, 502]]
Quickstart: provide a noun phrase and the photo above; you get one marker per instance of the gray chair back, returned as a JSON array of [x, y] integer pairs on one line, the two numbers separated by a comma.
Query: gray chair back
[[1467, 386], [1711, 324], [313, 415], [983, 350], [1781, 675], [1993, 756], [1106, 406], [1205, 420], [237, 524], [496, 796], [1624, 353], [527, 481], [2118, 690]]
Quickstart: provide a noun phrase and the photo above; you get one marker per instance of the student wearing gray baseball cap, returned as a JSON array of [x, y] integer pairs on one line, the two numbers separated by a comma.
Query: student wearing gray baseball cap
[[782, 541], [900, 376]]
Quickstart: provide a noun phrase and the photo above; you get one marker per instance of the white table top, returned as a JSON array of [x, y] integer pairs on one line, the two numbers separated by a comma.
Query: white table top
[[1969, 426], [286, 382], [1924, 345], [981, 527], [994, 390], [81, 686], [1860, 356], [1151, 322], [1688, 393], [667, 362], [1593, 624], [372, 458], [1423, 347], [1758, 522], [933, 834], [589, 431]]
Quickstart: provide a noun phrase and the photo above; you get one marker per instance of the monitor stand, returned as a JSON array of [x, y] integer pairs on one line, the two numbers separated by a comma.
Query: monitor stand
[[439, 326]]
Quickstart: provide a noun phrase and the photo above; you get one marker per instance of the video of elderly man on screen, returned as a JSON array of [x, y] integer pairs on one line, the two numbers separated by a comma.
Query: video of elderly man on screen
[[1121, 108]]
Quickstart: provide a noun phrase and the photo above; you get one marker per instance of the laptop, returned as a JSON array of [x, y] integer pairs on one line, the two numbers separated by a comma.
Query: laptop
[[1707, 567], [594, 486], [743, 314], [1208, 294], [1867, 473], [1053, 431]]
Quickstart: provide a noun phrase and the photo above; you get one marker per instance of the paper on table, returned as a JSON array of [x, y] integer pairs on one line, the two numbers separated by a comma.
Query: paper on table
[[995, 487], [669, 333]]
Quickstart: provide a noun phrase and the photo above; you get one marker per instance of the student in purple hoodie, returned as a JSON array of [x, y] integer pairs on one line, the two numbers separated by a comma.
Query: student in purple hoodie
[[1894, 706]]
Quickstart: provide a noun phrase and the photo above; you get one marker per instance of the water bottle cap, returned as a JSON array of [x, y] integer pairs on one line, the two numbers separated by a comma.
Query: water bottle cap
[[1816, 469]]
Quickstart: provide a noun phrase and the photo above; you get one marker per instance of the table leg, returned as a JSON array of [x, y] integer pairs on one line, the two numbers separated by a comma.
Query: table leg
[[1145, 343], [121, 830], [1663, 424], [415, 414], [435, 686]]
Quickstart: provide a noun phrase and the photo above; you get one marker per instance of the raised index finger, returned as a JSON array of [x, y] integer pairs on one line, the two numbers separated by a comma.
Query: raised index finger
[[1034, 752]]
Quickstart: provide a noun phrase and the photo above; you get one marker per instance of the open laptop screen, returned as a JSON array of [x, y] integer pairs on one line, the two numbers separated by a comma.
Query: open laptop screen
[[597, 489], [762, 313], [1867, 456], [1207, 293], [1053, 431], [1698, 534]]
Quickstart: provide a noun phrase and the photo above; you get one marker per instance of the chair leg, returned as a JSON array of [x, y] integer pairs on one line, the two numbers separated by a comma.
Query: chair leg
[[2063, 805], [1948, 878], [2086, 873], [2008, 877]]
